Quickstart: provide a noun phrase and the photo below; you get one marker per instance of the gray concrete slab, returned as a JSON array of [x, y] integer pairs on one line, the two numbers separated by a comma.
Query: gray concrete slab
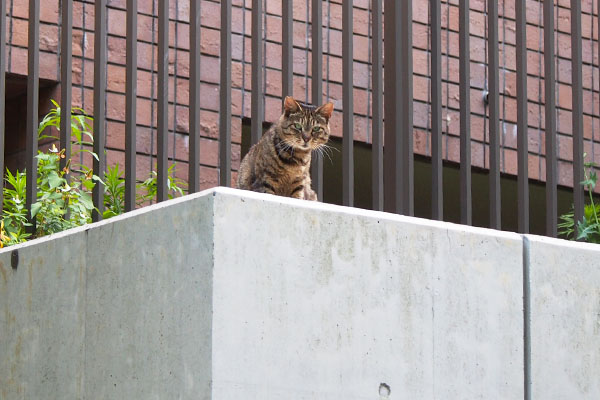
[[42, 324], [565, 319], [314, 301], [115, 310], [148, 310]]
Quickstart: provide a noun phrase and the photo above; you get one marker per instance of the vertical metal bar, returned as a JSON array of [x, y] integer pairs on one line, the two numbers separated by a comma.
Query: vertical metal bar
[[348, 104], [577, 109], [317, 88], [2, 93], [225, 104], [33, 90], [465, 114], [162, 144], [377, 77], [392, 107], [522, 130], [130, 105], [194, 129], [550, 107], [100, 57], [494, 182], [406, 111], [66, 86], [257, 67], [437, 186], [287, 71]]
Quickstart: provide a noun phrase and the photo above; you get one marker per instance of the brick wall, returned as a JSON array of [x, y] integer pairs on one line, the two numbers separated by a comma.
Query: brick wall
[[83, 44]]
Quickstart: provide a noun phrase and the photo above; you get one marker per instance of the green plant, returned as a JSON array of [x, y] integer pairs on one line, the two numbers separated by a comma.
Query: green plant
[[14, 221], [63, 202], [588, 229], [64, 195], [150, 188], [114, 194]]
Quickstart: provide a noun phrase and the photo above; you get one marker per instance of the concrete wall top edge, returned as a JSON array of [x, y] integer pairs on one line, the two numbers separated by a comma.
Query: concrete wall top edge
[[570, 244], [125, 216], [223, 191]]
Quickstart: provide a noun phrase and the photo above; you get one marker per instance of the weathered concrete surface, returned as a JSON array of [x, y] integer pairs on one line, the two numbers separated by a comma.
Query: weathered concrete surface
[[565, 319], [115, 310], [42, 320], [236, 295], [315, 301]]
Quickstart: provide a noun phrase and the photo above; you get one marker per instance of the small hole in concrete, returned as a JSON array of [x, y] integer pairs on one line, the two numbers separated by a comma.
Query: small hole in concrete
[[384, 390], [14, 259]]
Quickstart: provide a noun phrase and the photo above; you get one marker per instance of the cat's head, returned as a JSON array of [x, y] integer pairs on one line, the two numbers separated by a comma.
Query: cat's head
[[304, 126]]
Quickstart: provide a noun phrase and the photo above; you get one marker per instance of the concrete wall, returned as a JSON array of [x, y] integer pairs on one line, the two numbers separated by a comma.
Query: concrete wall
[[117, 310], [313, 302], [565, 318]]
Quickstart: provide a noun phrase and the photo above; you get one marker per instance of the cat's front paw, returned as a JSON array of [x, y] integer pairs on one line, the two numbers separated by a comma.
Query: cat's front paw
[[310, 194]]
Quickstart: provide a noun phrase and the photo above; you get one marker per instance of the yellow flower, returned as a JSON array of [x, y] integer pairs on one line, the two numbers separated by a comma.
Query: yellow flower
[[3, 237]]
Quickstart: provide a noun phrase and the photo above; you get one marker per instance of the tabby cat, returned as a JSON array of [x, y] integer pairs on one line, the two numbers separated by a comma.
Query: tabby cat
[[280, 162]]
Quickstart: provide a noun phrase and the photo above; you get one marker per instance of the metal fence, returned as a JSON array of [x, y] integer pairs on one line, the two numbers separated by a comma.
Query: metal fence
[[393, 180]]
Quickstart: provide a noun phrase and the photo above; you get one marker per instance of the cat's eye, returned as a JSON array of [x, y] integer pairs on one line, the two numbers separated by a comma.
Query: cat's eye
[[316, 129], [297, 126]]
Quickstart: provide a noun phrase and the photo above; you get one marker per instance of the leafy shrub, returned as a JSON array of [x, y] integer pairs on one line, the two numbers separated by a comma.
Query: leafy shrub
[[64, 197], [589, 228]]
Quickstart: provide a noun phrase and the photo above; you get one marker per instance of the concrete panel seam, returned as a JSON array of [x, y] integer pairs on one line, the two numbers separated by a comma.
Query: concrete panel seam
[[85, 313], [526, 319]]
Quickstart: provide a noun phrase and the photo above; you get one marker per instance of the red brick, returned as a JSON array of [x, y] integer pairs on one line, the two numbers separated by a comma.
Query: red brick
[[565, 173], [420, 10], [564, 122], [420, 115], [420, 142], [19, 32], [477, 154], [564, 20], [117, 22], [509, 162], [420, 36], [477, 23], [451, 147], [564, 96], [273, 28], [478, 127], [361, 48], [273, 83], [507, 31]]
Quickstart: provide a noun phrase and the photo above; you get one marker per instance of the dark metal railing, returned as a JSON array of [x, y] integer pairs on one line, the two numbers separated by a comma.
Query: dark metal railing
[[100, 58], [522, 130], [550, 127], [2, 90], [393, 171], [131, 106], [225, 104], [33, 91]]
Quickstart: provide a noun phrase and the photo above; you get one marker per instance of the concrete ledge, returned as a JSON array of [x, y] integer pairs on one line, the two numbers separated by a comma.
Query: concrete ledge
[[229, 294], [565, 318], [334, 301], [114, 310]]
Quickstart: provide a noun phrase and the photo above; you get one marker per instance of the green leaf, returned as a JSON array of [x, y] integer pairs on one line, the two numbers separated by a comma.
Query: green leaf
[[86, 201], [88, 184], [35, 208], [54, 180]]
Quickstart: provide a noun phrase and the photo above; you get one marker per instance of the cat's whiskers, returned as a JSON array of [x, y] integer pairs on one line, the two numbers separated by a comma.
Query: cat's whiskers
[[322, 152], [327, 150]]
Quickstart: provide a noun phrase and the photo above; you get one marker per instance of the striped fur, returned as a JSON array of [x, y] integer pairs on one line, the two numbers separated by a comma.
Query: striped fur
[[279, 163]]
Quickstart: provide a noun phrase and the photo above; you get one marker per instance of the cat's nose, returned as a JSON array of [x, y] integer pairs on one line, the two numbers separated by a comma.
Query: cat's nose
[[306, 138]]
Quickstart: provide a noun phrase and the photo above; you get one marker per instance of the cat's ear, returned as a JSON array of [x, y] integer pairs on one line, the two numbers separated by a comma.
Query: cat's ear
[[325, 110], [290, 105]]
